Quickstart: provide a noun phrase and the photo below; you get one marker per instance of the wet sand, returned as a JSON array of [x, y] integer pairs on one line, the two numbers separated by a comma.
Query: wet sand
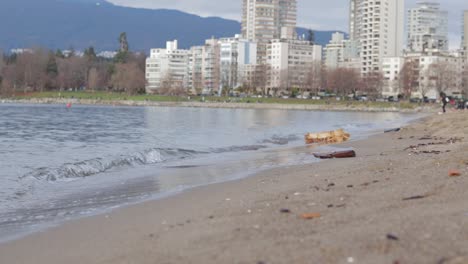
[[394, 203]]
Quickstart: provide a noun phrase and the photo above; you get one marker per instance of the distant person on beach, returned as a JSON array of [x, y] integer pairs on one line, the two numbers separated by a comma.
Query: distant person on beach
[[445, 100]]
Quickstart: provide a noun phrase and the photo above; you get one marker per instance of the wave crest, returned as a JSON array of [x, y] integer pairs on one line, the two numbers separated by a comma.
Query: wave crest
[[95, 166]]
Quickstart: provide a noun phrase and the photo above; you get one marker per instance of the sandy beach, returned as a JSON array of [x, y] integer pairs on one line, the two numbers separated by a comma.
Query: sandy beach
[[395, 203]]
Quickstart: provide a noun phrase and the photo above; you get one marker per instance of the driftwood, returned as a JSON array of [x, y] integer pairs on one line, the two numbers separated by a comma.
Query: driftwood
[[328, 137], [392, 130], [336, 155]]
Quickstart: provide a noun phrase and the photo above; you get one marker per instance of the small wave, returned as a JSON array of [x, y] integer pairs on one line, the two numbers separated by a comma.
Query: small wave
[[95, 166], [280, 140], [238, 148], [354, 126]]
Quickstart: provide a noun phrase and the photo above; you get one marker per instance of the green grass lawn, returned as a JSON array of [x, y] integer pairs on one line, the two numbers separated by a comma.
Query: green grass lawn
[[108, 96]]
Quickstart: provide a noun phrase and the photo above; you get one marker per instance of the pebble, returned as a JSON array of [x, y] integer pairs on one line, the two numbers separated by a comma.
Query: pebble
[[350, 260]]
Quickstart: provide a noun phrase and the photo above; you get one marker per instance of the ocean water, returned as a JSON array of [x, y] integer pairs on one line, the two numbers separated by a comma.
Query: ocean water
[[58, 164]]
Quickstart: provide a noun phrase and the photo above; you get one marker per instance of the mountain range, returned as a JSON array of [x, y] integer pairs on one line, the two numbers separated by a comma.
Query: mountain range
[[78, 24]]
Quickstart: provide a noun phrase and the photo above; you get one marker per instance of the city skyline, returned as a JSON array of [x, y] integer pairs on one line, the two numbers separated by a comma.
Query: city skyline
[[336, 19]]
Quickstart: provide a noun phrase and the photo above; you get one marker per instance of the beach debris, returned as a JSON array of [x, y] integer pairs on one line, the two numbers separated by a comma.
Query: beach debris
[[392, 130], [310, 216], [228, 199], [211, 217], [426, 138], [350, 186], [441, 142], [417, 197], [336, 154], [392, 237], [285, 211], [350, 260], [328, 137], [454, 173]]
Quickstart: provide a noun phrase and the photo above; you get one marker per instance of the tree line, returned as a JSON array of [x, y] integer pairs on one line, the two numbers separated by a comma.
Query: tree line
[[312, 79], [39, 69]]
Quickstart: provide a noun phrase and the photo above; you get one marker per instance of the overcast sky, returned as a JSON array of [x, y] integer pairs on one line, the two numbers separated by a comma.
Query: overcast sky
[[315, 14]]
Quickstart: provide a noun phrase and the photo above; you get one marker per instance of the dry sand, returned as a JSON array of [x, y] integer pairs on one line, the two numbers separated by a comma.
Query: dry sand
[[364, 217]]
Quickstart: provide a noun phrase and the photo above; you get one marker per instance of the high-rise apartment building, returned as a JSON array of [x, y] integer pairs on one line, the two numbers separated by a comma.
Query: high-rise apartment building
[[204, 67], [166, 68], [263, 20], [427, 27], [378, 26], [290, 63], [237, 57], [464, 52], [353, 17], [465, 33], [339, 51]]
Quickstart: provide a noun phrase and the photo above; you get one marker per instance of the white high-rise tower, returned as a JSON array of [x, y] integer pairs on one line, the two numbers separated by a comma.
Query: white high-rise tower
[[378, 26], [465, 33], [427, 27], [264, 20]]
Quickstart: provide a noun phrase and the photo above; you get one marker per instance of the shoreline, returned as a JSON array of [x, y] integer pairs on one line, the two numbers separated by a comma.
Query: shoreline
[[226, 105], [364, 216]]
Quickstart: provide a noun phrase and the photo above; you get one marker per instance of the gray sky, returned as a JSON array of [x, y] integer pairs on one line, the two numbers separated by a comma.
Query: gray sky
[[316, 14]]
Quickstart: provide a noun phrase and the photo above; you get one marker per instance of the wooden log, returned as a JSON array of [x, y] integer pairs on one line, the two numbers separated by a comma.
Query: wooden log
[[336, 154], [392, 130]]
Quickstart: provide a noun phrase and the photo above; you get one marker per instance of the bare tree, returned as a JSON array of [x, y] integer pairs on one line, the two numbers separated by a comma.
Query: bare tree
[[373, 84], [343, 81], [284, 80], [408, 78], [72, 73], [128, 78], [314, 77], [30, 68], [170, 85], [259, 78], [465, 79], [2, 62], [93, 79], [444, 76], [9, 78], [426, 82]]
